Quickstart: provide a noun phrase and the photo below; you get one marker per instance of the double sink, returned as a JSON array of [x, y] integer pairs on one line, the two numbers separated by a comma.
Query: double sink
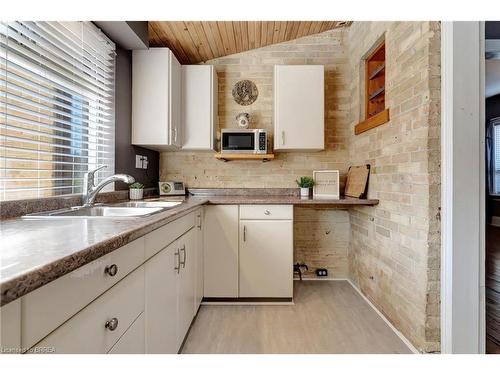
[[121, 210]]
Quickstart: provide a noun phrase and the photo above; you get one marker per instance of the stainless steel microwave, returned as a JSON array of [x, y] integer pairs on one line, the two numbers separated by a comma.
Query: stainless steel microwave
[[249, 141]]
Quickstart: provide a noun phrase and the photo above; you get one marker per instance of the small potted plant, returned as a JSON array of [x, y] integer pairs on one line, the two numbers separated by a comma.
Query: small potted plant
[[136, 190], [305, 184]]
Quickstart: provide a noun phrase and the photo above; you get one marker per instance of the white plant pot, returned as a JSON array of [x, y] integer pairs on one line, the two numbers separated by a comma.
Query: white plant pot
[[136, 194], [304, 192]]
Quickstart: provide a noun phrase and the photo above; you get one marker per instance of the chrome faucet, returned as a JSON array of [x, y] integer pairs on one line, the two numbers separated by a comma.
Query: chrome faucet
[[90, 190]]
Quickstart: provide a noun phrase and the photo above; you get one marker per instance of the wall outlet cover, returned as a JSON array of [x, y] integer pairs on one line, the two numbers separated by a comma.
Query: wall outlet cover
[[321, 272]]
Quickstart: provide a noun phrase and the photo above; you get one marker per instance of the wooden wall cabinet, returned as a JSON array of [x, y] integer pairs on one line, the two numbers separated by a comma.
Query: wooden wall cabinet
[[199, 107], [375, 110], [156, 99], [299, 114]]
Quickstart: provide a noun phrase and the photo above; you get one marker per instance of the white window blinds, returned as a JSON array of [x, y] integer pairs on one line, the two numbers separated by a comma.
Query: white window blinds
[[57, 84]]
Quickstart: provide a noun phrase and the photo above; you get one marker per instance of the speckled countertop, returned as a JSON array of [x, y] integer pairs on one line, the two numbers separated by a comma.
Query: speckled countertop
[[35, 252]]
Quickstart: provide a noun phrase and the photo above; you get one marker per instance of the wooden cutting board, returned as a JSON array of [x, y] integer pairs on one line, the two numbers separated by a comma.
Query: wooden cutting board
[[357, 181]]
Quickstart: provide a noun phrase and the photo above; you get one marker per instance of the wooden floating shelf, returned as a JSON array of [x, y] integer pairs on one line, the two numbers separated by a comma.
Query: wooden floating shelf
[[377, 71], [229, 157], [374, 121], [376, 93]]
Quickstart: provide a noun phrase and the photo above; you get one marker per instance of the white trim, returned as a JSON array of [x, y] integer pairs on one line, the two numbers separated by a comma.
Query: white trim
[[241, 303], [462, 190], [446, 184], [320, 279], [395, 330], [482, 189]]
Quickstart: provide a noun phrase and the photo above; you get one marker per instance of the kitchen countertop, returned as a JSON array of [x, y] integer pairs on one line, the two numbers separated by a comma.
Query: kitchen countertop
[[38, 251]]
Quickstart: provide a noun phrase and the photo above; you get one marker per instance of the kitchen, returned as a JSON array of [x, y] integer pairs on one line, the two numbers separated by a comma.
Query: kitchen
[[220, 187]]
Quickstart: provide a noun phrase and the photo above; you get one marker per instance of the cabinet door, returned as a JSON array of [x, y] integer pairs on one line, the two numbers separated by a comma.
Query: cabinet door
[[161, 306], [156, 90], [198, 294], [175, 122], [186, 286], [198, 106], [220, 258], [266, 258], [299, 119]]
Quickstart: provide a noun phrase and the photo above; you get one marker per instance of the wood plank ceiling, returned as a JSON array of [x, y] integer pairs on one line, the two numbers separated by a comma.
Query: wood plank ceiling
[[196, 41]]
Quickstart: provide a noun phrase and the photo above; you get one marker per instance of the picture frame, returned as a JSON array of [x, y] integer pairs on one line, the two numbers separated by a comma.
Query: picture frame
[[326, 184]]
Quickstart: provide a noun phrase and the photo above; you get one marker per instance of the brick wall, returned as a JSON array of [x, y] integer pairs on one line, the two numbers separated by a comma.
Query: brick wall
[[391, 251], [200, 169], [394, 249]]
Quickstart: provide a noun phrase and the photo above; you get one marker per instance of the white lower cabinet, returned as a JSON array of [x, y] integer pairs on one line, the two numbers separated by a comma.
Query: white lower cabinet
[[142, 298], [170, 290], [198, 249], [266, 258], [161, 278], [99, 326], [186, 284], [220, 257]]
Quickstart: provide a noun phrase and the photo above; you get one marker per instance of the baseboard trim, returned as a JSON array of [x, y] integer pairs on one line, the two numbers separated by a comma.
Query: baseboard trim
[[396, 331], [319, 279], [246, 301]]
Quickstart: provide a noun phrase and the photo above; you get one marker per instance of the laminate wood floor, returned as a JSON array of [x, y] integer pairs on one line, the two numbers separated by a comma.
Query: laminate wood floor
[[327, 317]]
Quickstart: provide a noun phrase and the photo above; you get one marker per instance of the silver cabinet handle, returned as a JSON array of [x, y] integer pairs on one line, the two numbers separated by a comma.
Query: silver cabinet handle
[[111, 270], [177, 254], [244, 233], [183, 249], [175, 135], [111, 324], [282, 137], [199, 222], [267, 212]]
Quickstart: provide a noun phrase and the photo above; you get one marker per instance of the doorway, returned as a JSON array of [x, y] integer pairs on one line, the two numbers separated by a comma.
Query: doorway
[[492, 153]]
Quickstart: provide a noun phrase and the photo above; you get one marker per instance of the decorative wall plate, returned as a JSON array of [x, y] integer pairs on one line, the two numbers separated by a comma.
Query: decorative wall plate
[[245, 92]]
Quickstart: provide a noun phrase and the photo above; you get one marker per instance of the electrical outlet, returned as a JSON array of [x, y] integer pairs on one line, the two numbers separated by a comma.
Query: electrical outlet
[[141, 162], [321, 272]]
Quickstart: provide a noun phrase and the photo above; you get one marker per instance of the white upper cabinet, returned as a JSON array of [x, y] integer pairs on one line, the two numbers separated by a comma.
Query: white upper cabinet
[[199, 107], [299, 95], [156, 99]]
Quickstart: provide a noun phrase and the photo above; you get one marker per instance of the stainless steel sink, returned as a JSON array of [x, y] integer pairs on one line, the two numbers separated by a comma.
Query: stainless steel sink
[[117, 210], [98, 211], [154, 204]]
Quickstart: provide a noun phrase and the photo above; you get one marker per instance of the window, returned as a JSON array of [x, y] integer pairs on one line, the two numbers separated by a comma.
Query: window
[[375, 112], [57, 84], [495, 157]]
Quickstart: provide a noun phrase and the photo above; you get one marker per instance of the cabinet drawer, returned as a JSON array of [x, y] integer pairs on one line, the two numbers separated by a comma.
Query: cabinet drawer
[[266, 211], [132, 341], [46, 308], [86, 332], [162, 237]]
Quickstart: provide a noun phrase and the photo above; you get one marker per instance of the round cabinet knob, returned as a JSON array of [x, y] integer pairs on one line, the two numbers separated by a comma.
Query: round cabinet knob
[[267, 212], [111, 324], [111, 270]]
